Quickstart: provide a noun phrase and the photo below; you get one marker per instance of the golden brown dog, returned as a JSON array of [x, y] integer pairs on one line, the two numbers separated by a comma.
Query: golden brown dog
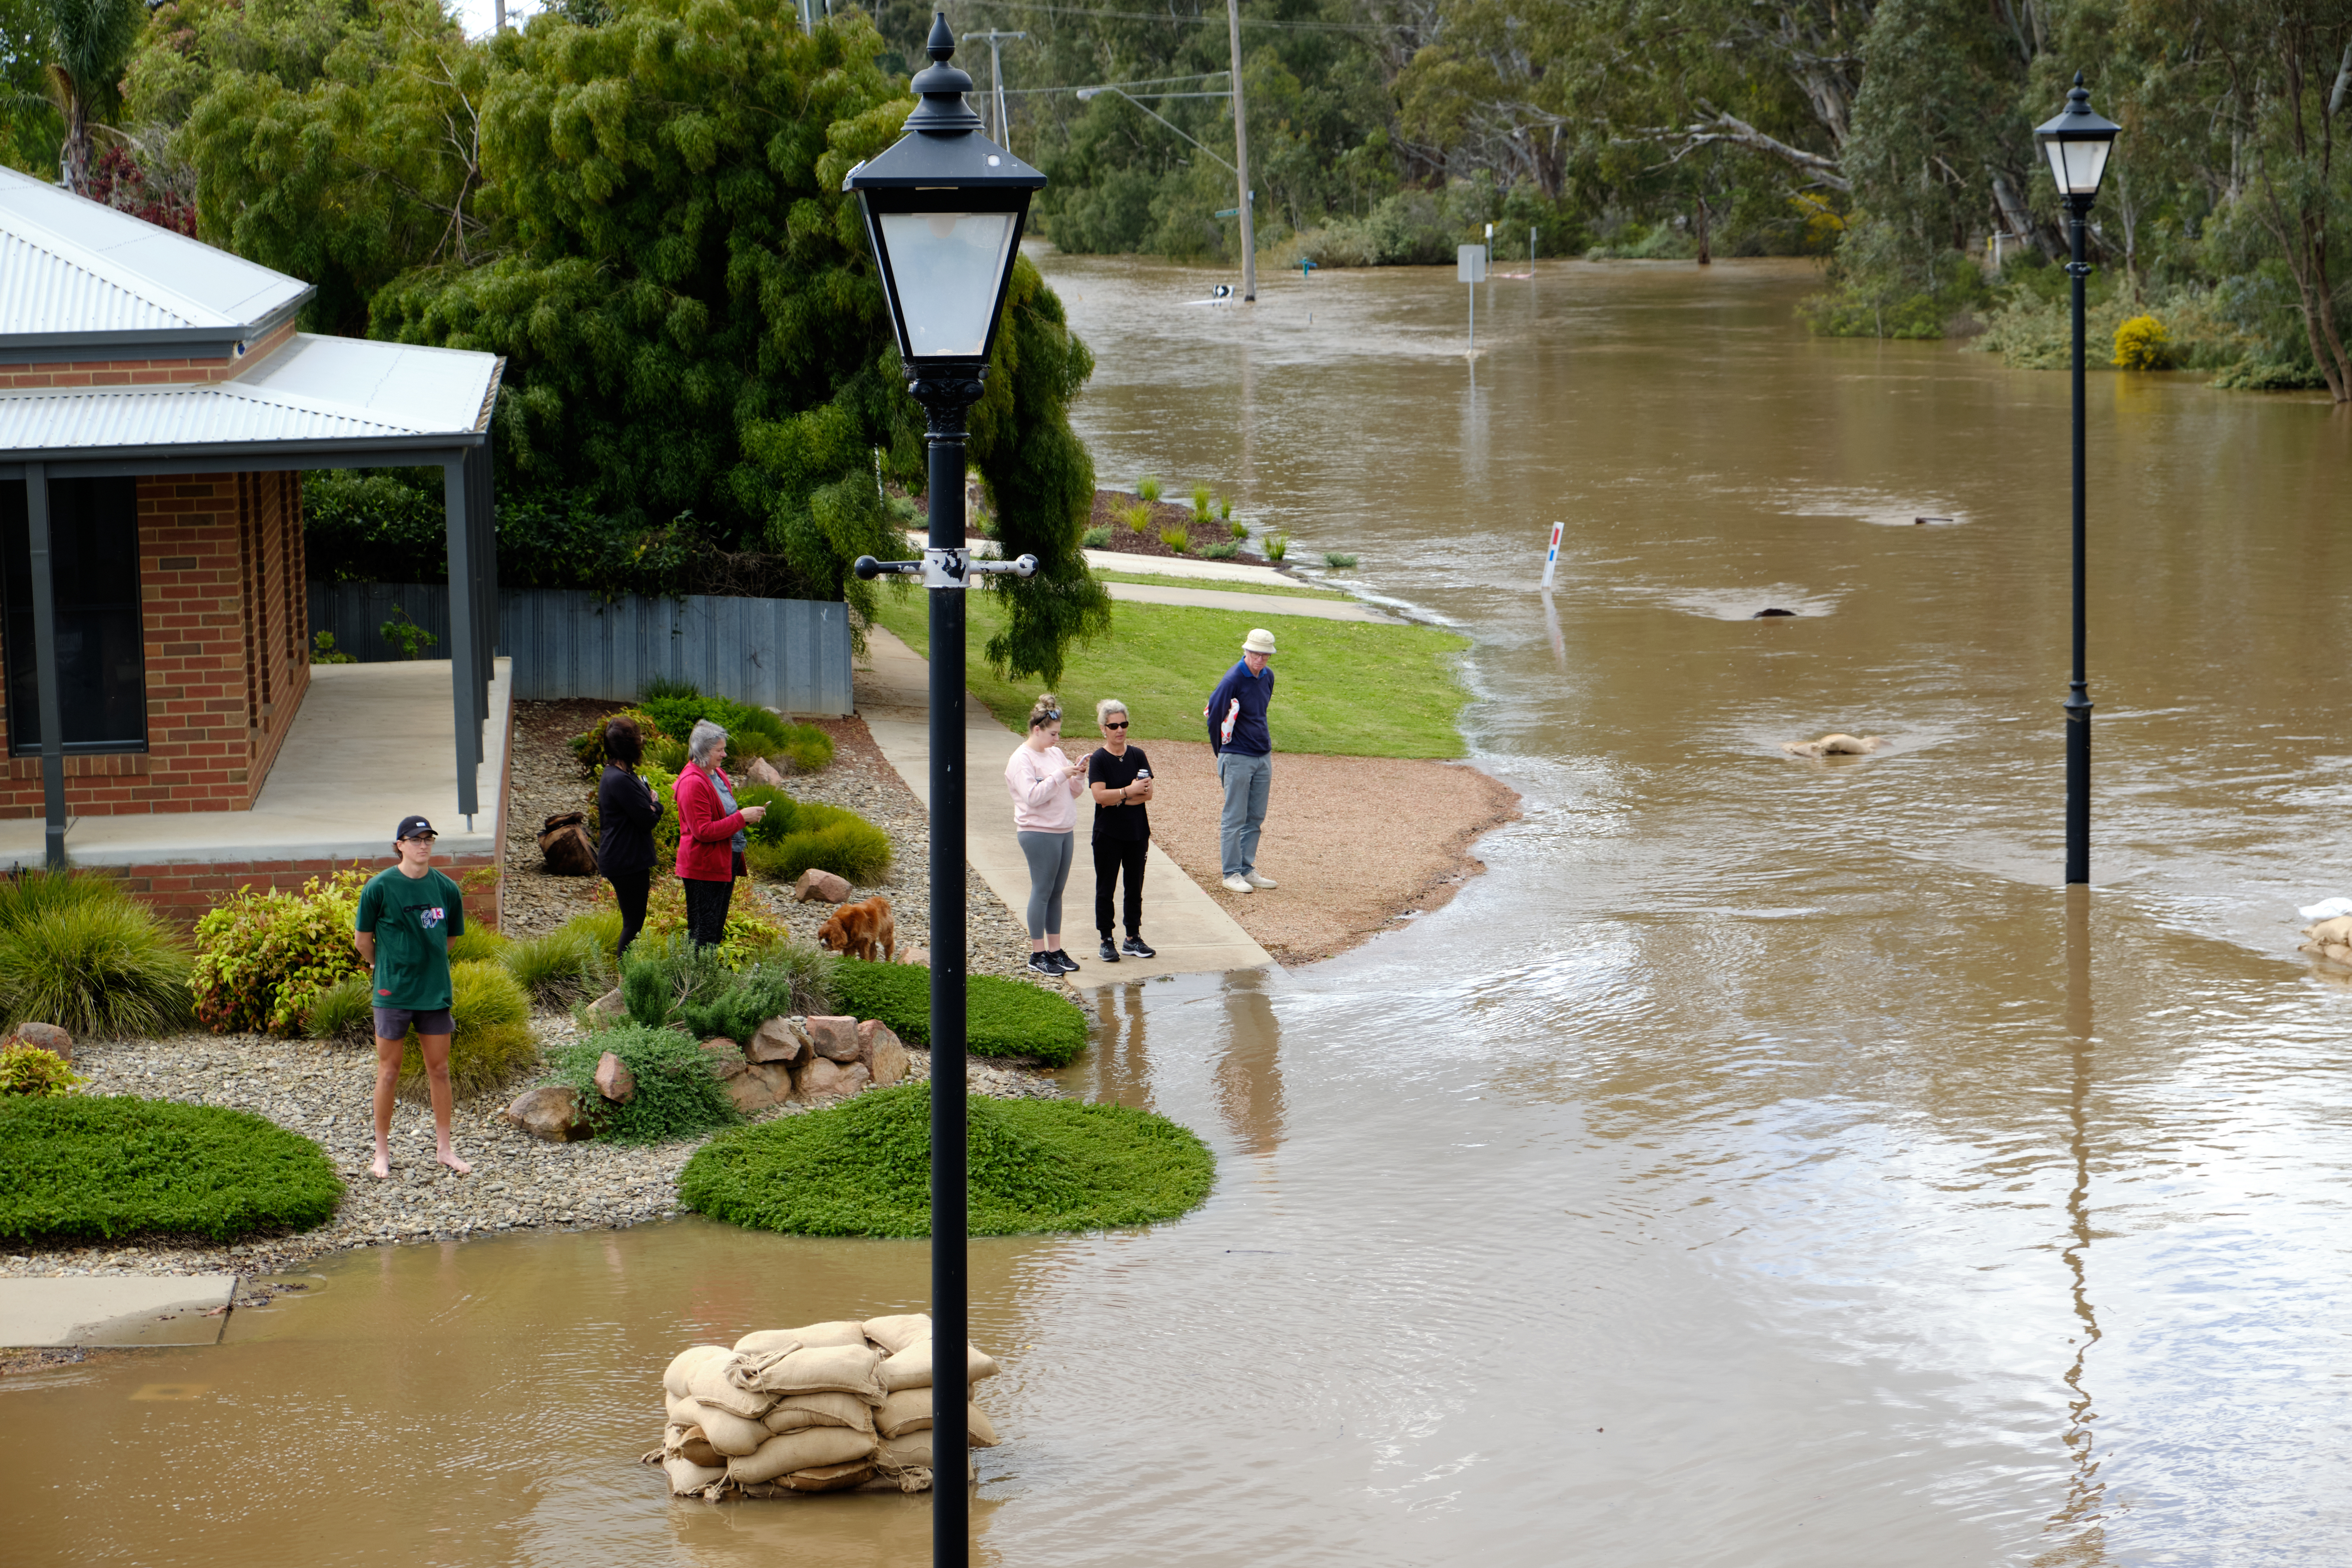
[[859, 931]]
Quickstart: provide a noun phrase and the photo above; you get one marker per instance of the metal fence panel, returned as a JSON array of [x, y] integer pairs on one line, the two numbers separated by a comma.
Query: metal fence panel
[[788, 654]]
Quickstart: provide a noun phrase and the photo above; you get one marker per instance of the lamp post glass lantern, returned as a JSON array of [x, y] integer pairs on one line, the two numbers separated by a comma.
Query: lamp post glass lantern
[[944, 209], [2076, 142]]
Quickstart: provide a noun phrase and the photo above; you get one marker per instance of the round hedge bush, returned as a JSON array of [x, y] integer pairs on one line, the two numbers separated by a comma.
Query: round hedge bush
[[863, 1168], [91, 1168], [1001, 1018]]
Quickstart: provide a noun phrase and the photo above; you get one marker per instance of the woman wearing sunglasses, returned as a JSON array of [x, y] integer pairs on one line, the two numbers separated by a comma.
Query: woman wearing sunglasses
[[1120, 776], [1045, 786]]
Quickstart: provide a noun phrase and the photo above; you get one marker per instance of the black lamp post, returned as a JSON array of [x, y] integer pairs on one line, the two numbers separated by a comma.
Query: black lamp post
[[944, 207], [2076, 141]]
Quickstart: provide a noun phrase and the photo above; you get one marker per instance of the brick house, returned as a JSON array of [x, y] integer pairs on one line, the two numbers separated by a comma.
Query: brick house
[[157, 408]]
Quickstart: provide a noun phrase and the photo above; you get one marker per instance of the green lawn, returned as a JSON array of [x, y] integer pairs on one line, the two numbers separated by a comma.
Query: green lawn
[[1162, 580], [1343, 689]]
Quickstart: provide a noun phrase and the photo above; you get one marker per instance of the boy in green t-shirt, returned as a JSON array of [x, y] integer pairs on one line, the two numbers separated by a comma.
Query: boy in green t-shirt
[[407, 916]]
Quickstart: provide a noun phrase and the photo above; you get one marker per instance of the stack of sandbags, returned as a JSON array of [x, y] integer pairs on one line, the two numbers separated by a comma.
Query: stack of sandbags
[[2330, 939], [828, 1407]]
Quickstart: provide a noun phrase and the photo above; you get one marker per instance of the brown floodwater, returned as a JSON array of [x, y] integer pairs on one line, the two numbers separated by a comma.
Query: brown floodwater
[[1766, 1162]]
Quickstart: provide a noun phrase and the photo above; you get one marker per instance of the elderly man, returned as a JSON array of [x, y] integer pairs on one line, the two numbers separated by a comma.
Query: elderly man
[[1237, 734]]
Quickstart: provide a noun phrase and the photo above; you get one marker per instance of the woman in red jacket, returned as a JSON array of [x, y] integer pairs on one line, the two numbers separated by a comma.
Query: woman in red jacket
[[710, 838]]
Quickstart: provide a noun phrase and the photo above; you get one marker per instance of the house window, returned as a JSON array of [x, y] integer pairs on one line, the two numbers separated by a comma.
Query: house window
[[102, 654]]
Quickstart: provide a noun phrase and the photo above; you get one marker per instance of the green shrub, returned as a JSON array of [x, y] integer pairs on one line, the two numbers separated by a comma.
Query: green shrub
[[1175, 537], [1147, 489], [93, 1168], [1224, 549], [478, 945], [667, 754], [491, 1045], [807, 747], [678, 1093], [344, 1011], [1201, 512], [324, 651], [863, 1168], [588, 746], [1096, 537], [1277, 545], [261, 956], [1002, 1017], [27, 895], [662, 971], [829, 839], [751, 731], [30, 1070], [1138, 517], [571, 962], [2269, 376], [791, 977], [91, 960], [1339, 562], [748, 932], [783, 812], [1238, 529]]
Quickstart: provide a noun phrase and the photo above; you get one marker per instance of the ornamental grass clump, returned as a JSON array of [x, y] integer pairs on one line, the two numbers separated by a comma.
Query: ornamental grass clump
[[569, 963], [263, 955], [93, 1168], [77, 951], [344, 1012], [1002, 1017], [491, 1046], [863, 1168], [791, 977], [1176, 537], [678, 1093]]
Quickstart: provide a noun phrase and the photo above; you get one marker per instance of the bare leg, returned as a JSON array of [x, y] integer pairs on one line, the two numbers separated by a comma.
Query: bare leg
[[436, 1078], [387, 1075]]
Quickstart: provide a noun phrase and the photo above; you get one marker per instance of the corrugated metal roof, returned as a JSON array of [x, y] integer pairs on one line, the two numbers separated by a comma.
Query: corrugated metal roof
[[321, 389], [71, 266]]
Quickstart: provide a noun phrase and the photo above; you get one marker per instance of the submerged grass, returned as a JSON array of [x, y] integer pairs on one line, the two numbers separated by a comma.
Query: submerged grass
[[94, 1168], [1344, 688], [863, 1168]]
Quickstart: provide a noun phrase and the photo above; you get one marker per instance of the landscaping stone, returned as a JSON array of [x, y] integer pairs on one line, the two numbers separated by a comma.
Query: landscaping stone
[[921, 955], [614, 1082], [763, 772], [49, 1037], [778, 1040], [881, 1052], [759, 1086], [550, 1111], [823, 1078], [816, 884], [726, 1057], [834, 1037], [609, 1003]]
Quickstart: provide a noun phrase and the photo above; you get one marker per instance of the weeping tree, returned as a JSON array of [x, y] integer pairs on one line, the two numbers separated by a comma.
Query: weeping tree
[[81, 48]]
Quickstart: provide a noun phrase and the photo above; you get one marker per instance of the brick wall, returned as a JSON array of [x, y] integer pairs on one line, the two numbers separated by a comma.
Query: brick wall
[[183, 890], [226, 644], [141, 372]]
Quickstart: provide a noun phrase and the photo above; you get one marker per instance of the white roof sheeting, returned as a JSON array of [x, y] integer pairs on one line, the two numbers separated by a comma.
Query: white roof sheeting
[[70, 267], [338, 391]]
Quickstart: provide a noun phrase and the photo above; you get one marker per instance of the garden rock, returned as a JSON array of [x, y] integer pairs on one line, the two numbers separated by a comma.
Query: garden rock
[[834, 1037], [827, 1080], [725, 1060], [882, 1053], [550, 1111], [610, 1003], [816, 884], [759, 1086], [921, 955], [47, 1037], [761, 771], [778, 1040], [614, 1082]]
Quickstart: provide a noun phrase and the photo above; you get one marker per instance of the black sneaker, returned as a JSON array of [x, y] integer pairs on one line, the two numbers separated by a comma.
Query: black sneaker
[[1069, 965], [1109, 954], [1043, 963], [1134, 944]]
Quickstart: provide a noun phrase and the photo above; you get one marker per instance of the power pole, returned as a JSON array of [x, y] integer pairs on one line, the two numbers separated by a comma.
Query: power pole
[[1001, 135], [1241, 160]]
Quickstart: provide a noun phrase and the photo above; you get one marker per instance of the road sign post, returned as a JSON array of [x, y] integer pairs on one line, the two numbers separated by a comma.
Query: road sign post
[[1470, 267]]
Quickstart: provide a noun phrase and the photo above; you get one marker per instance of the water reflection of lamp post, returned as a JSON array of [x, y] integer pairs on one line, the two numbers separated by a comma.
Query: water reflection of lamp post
[[944, 209], [2076, 141]]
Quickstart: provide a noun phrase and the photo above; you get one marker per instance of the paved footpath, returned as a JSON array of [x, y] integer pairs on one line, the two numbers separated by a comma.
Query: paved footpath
[[115, 1310], [1190, 934]]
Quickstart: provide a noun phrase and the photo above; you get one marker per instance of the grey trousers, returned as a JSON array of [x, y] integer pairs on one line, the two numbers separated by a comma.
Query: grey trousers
[[1246, 780], [1049, 856]]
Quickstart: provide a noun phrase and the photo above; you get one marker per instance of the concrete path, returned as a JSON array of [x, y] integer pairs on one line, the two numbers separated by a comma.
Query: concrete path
[[114, 1309], [1190, 934], [1250, 604]]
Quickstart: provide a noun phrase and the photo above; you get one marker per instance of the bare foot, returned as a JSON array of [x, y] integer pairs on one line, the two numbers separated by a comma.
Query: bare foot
[[382, 1169], [454, 1164]]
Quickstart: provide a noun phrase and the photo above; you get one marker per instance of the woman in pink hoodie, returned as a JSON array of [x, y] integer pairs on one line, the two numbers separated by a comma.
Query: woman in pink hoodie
[[1045, 786]]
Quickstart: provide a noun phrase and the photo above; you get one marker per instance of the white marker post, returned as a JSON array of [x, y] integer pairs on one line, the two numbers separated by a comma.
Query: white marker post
[[1470, 267], [1551, 557]]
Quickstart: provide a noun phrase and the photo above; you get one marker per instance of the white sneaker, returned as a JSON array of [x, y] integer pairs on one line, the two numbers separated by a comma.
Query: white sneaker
[[1255, 880], [1238, 884]]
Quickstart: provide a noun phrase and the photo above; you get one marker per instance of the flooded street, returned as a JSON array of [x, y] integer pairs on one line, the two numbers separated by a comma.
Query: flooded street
[[1767, 1163]]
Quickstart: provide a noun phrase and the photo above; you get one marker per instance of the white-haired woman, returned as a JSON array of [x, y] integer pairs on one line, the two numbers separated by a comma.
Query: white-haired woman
[[1045, 786], [710, 838], [1120, 776]]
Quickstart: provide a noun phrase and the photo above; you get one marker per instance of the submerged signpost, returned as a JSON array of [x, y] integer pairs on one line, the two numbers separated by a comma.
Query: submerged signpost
[[1470, 267]]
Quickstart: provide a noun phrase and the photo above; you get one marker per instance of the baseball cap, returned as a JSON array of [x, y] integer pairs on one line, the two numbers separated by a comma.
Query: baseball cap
[[413, 827]]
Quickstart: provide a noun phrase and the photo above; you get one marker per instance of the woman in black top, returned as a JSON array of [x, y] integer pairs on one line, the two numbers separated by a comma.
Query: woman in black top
[[627, 811], [1120, 777]]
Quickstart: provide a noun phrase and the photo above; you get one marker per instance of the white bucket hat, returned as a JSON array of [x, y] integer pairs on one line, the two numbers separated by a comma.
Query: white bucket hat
[[1260, 640]]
